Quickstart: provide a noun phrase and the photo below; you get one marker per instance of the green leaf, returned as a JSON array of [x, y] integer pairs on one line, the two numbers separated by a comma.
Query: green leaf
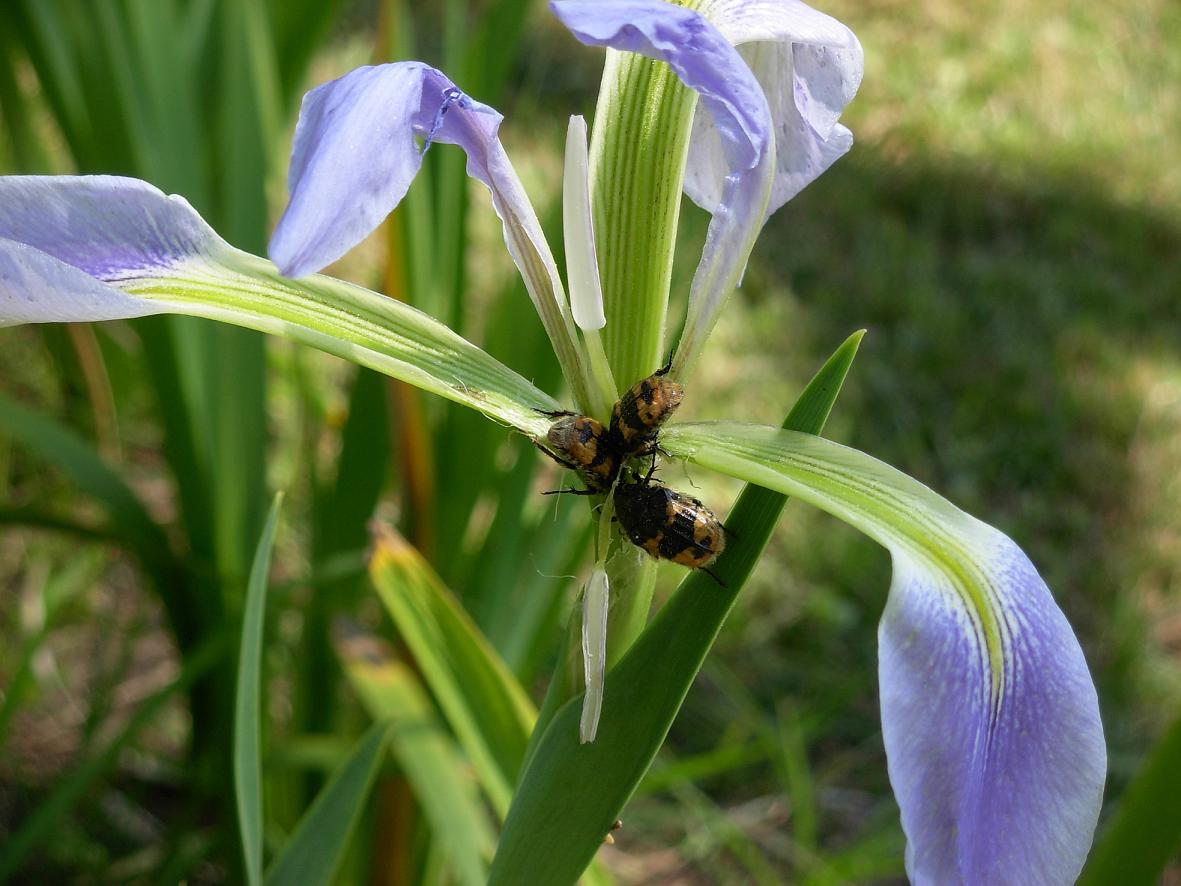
[[315, 849], [427, 755], [353, 323], [570, 793], [81, 463], [485, 706], [247, 724], [636, 178], [1145, 831]]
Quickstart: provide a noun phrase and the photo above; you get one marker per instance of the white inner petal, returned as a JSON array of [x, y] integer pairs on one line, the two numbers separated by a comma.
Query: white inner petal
[[582, 266], [594, 652]]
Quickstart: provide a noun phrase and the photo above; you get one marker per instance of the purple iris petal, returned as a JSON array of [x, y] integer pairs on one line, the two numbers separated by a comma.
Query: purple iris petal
[[998, 766], [63, 237], [990, 719], [701, 57], [106, 226], [356, 153], [35, 287], [809, 66]]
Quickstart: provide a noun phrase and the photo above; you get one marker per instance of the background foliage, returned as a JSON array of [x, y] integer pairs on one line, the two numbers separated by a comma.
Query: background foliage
[[1006, 228]]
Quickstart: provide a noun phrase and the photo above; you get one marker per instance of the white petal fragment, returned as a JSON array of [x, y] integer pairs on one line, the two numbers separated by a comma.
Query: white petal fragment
[[595, 600], [582, 267], [989, 714]]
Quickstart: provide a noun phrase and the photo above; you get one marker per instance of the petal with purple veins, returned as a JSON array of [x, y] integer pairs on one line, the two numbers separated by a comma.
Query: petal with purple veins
[[105, 226], [37, 288], [809, 66], [989, 715], [996, 756], [65, 239]]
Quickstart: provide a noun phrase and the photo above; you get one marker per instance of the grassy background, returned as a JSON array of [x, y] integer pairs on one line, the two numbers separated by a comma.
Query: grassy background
[[1007, 227]]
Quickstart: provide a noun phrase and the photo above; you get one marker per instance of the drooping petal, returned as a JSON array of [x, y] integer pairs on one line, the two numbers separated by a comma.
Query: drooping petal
[[37, 288], [353, 158], [989, 715], [104, 225], [63, 238], [356, 153], [809, 66], [102, 247], [706, 62]]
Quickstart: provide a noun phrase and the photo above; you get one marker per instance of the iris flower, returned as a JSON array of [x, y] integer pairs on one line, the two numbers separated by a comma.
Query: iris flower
[[989, 715]]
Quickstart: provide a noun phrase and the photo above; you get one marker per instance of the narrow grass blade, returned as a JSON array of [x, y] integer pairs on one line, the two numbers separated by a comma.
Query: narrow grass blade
[[27, 152], [569, 794], [485, 706], [1145, 831], [341, 512], [315, 849], [427, 755], [247, 722], [45, 819], [246, 121]]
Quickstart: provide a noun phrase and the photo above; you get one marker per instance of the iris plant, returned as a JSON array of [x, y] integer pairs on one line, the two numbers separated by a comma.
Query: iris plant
[[989, 715]]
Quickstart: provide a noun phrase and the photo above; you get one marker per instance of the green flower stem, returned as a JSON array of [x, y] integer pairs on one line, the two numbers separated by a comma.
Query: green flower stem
[[603, 381], [632, 574], [637, 165]]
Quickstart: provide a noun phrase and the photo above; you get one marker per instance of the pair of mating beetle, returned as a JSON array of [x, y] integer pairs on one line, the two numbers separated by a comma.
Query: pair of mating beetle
[[665, 523]]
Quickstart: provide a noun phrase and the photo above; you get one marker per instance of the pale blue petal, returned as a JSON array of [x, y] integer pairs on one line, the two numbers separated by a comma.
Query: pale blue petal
[[990, 718], [356, 152], [809, 66], [107, 226], [696, 51], [998, 766], [64, 238], [37, 288]]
